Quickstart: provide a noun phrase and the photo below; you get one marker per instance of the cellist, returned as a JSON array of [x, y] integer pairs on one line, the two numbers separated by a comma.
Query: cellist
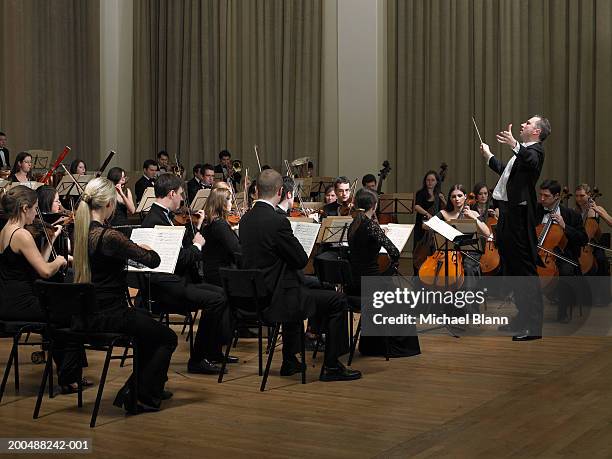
[[570, 222]]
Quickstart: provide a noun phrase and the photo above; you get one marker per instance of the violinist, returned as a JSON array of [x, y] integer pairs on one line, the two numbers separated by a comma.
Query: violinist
[[21, 263], [183, 288], [456, 208], [365, 238], [125, 204], [369, 181], [163, 161], [5, 159], [329, 195], [570, 222], [78, 167], [203, 178], [49, 203], [342, 189], [149, 173], [22, 168], [225, 167], [101, 254], [221, 242]]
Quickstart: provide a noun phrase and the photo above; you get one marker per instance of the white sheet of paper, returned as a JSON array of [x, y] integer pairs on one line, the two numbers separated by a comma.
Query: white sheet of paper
[[442, 228], [165, 240], [399, 235], [306, 233]]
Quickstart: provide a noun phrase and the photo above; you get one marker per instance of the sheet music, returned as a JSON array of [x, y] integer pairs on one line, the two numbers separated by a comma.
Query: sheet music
[[398, 234], [306, 233], [165, 240], [442, 228]]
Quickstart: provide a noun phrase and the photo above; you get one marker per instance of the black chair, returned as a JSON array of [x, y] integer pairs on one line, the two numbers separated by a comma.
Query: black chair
[[333, 269], [247, 298], [64, 305], [15, 330]]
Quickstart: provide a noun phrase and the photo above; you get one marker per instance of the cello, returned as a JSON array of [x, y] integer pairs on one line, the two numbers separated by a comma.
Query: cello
[[588, 263]]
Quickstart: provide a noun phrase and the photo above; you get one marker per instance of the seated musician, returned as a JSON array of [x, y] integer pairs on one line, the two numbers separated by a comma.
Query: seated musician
[[101, 254], [587, 208], [163, 161], [183, 288], [570, 222], [369, 181], [342, 189], [5, 156], [484, 205], [21, 263], [78, 167], [149, 173], [330, 195], [225, 167], [49, 203], [365, 239], [221, 242], [203, 179], [125, 204], [22, 168], [268, 244], [456, 208]]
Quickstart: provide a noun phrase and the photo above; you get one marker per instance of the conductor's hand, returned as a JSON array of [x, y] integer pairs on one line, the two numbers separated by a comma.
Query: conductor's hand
[[486, 151], [199, 239], [507, 137]]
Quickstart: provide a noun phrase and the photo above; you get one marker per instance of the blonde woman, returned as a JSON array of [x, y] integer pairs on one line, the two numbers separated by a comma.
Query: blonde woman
[[100, 257]]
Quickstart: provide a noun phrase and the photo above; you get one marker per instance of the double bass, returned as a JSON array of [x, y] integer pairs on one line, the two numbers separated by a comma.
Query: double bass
[[383, 219]]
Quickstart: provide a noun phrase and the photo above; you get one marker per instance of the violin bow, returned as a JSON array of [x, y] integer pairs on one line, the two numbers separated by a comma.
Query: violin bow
[[255, 147]]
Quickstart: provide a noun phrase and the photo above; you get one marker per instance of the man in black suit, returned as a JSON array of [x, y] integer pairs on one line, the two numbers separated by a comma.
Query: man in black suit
[[5, 159], [176, 291], [342, 188], [225, 167], [570, 222], [268, 244], [203, 179], [516, 238], [149, 172]]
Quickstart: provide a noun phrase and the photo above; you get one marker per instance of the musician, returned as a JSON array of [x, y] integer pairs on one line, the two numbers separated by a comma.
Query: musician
[[21, 263], [49, 203], [163, 161], [369, 181], [365, 238], [585, 206], [203, 178], [456, 208], [78, 167], [286, 203], [177, 291], [484, 205], [149, 173], [268, 243], [225, 167], [342, 189], [330, 195], [22, 168], [101, 254], [5, 158], [428, 201], [221, 242], [570, 222], [125, 204], [516, 236]]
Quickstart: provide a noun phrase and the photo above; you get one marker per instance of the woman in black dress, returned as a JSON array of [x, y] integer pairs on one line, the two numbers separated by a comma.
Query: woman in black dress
[[483, 204], [101, 254], [365, 238], [22, 168], [21, 263], [125, 203], [221, 242], [427, 201]]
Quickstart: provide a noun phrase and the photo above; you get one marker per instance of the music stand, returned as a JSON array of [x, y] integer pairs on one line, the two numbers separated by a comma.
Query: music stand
[[199, 200], [148, 198], [334, 230], [395, 204], [319, 184], [303, 187], [41, 159]]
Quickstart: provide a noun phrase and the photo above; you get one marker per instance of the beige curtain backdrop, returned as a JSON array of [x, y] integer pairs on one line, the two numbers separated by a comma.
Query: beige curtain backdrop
[[50, 76], [499, 60], [227, 74]]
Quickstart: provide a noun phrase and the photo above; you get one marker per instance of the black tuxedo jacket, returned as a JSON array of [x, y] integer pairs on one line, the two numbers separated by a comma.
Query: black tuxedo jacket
[[331, 210], [236, 177], [186, 265], [141, 185], [7, 159], [574, 231], [193, 186], [268, 244]]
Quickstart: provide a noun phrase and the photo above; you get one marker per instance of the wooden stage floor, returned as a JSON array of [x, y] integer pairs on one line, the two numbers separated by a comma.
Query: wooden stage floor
[[468, 397]]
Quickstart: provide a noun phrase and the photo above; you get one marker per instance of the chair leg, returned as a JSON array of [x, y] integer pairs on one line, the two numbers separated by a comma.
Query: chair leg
[[190, 337], [185, 323], [43, 382], [225, 357], [7, 371], [236, 342], [27, 337], [50, 357], [270, 355], [303, 352], [354, 343], [16, 360], [94, 414], [124, 356], [80, 389], [387, 348], [316, 349], [260, 348]]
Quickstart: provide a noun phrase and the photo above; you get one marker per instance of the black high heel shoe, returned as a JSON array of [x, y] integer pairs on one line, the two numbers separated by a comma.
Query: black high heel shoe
[[124, 400]]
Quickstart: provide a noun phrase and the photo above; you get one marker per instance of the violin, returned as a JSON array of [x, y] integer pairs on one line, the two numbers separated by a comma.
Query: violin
[[41, 230]]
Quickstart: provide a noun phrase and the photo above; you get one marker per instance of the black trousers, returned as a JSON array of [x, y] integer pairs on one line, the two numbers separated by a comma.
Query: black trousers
[[154, 342], [512, 236], [212, 330], [331, 310]]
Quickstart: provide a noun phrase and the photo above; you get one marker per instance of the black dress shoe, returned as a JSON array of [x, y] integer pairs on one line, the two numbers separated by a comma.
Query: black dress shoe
[[124, 400], [166, 395], [219, 359], [525, 335], [339, 373], [204, 367], [291, 367]]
